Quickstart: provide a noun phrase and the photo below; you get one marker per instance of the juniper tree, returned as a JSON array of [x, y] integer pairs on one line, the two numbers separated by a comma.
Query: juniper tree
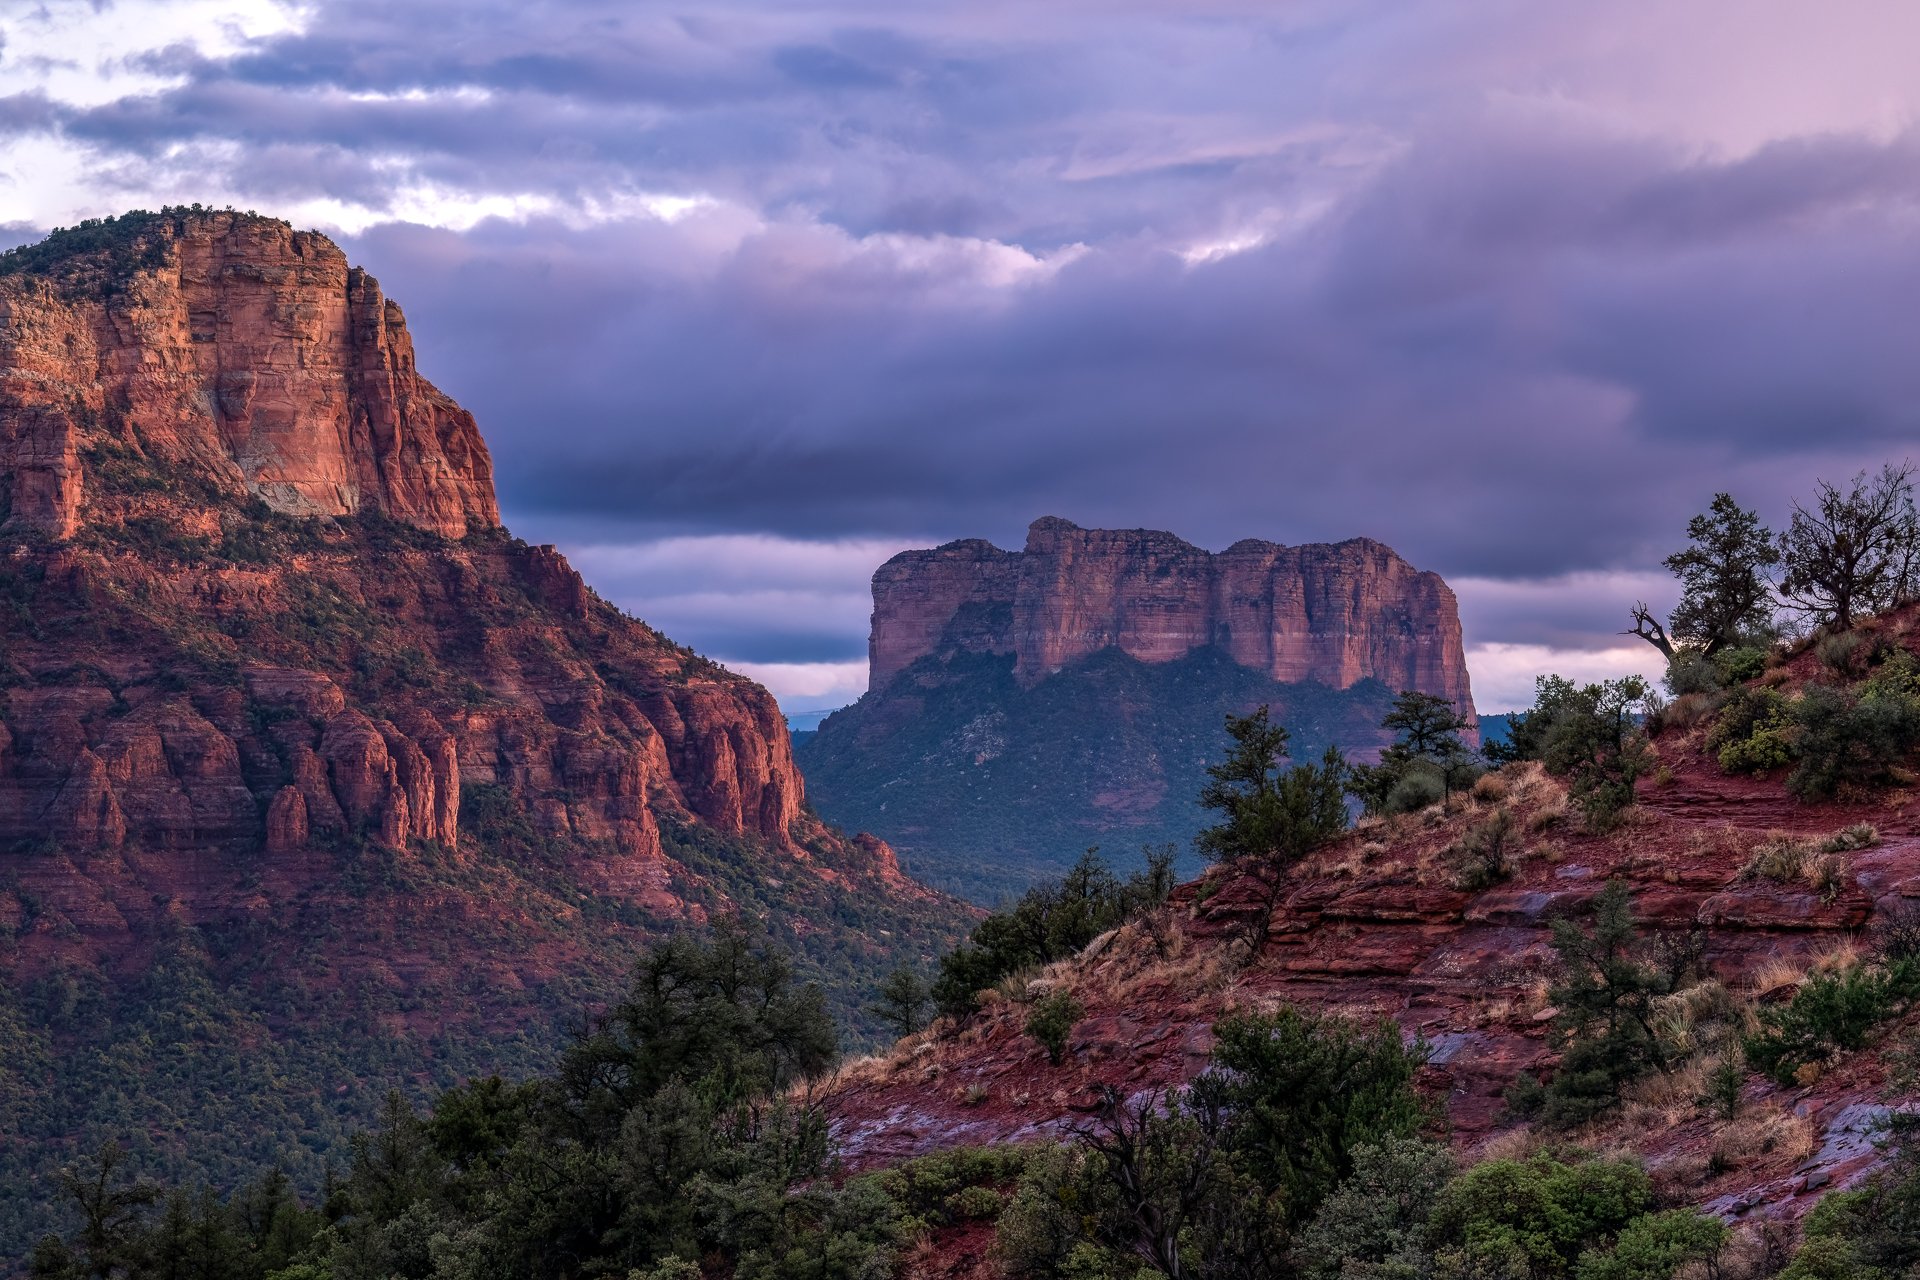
[[1271, 815], [1724, 592], [1853, 553]]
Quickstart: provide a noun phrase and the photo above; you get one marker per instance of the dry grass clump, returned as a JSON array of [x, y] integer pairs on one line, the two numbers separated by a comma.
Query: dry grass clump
[[1491, 788], [1826, 874], [1861, 835], [1763, 1134], [1781, 857], [1776, 973], [1687, 711], [1712, 842], [1779, 972], [1511, 1144], [1690, 1020], [1681, 1174], [1842, 957]]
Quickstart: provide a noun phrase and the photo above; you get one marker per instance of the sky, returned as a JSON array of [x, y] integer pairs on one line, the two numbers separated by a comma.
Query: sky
[[748, 296]]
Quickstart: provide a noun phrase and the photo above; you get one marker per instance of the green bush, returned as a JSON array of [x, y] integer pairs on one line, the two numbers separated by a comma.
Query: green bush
[[1753, 732], [1741, 664], [1050, 922], [1691, 672], [1534, 1218], [1375, 1223], [1484, 854], [1831, 1012], [1419, 786], [1655, 1246], [1844, 653], [1851, 740], [1051, 1022]]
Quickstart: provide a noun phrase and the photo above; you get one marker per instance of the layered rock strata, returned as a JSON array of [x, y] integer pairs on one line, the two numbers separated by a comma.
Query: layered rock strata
[[209, 426], [245, 350], [1336, 614]]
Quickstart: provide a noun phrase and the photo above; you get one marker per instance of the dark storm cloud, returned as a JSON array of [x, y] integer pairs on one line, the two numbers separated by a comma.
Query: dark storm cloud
[[1433, 368], [1469, 278]]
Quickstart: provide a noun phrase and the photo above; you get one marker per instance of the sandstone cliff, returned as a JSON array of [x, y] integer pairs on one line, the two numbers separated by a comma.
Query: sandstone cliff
[[1024, 704], [1335, 614], [151, 387], [244, 349], [305, 762]]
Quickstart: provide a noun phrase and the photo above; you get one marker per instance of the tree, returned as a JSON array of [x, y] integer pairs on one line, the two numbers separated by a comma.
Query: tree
[[1305, 1092], [1595, 741], [1428, 724], [1854, 553], [723, 1018], [1724, 593], [902, 1002], [111, 1203], [1605, 999], [1271, 817], [1426, 756], [1219, 1179], [1269, 814], [1527, 730]]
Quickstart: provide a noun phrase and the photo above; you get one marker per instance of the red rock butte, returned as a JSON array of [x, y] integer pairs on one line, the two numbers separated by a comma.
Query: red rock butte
[[1336, 614], [191, 404], [251, 350]]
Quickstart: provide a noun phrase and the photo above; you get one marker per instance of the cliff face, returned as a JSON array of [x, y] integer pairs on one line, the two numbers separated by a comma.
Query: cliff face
[[1024, 704], [244, 349], [300, 749], [1335, 614], [144, 398]]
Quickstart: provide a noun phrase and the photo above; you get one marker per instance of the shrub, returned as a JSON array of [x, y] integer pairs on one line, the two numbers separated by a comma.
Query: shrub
[[1483, 855], [1593, 739], [1861, 835], [1051, 1022], [1831, 1012], [1050, 922], [1753, 732], [1897, 932], [1656, 1245], [1781, 857], [1375, 1222], [1842, 654], [1691, 672], [1741, 664], [1416, 789], [1850, 740], [1534, 1217]]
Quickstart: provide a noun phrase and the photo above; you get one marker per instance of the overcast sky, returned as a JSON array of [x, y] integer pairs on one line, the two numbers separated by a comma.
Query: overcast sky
[[747, 296]]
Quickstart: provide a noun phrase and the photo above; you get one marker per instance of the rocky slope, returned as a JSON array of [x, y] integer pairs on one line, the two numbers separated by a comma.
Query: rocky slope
[[292, 728], [1377, 925], [1024, 704]]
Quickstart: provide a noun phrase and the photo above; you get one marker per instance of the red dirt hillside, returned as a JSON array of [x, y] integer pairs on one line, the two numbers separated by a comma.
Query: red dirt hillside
[[1373, 925]]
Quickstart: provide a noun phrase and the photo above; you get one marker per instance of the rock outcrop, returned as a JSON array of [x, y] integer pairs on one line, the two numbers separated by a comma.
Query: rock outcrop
[[1337, 614], [169, 370], [1024, 704], [303, 758], [243, 350]]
